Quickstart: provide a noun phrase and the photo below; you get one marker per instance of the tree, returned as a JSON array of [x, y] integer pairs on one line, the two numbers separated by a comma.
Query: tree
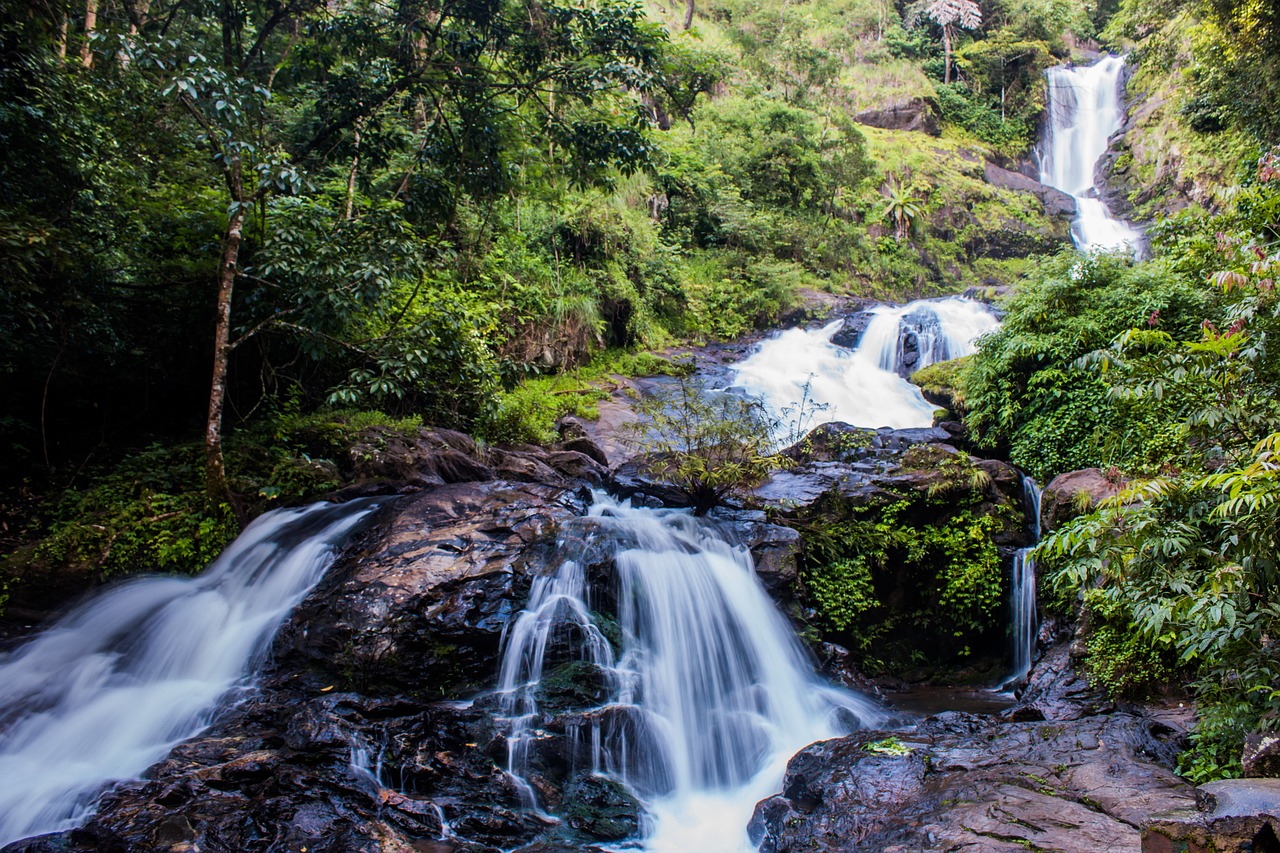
[[902, 209], [949, 14], [709, 445]]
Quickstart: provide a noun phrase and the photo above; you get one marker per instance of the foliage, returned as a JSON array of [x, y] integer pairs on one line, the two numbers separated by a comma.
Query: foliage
[[1180, 568], [710, 445], [909, 577], [1021, 390]]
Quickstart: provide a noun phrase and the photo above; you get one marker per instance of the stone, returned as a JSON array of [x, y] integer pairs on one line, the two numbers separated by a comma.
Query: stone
[[1262, 754], [908, 114], [972, 783], [850, 332], [1073, 494], [1230, 816], [425, 609], [1056, 202]]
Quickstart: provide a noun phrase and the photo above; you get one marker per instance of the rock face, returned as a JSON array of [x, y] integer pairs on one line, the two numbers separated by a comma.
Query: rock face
[[423, 613], [911, 114], [1056, 202], [1231, 816], [1262, 755], [1073, 494], [970, 783]]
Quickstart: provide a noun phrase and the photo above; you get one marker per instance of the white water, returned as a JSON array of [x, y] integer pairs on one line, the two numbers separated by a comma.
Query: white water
[[1084, 111], [110, 688], [1025, 623], [711, 693], [864, 387]]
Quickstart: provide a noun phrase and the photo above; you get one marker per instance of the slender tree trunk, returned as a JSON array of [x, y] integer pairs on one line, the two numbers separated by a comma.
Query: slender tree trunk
[[688, 14], [90, 24], [215, 467], [946, 49], [351, 175], [61, 44]]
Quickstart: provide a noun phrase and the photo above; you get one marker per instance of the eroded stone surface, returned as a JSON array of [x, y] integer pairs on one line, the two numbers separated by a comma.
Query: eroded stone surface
[[972, 783]]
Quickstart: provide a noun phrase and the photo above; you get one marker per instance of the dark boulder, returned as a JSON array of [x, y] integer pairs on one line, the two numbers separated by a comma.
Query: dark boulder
[[959, 782], [907, 114]]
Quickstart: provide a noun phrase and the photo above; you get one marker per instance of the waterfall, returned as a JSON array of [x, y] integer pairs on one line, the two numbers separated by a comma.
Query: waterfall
[[707, 691], [1083, 112], [1022, 597], [865, 387], [111, 687]]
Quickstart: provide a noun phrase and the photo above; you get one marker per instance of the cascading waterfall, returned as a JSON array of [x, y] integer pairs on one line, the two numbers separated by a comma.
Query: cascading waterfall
[[709, 691], [110, 688], [865, 387], [1025, 623], [1084, 111]]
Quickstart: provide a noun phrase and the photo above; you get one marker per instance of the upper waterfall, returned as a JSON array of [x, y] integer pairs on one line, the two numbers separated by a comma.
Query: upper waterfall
[[1084, 111]]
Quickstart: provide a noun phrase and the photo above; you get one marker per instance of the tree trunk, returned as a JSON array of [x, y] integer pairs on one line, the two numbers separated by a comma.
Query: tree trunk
[[61, 44], [946, 49], [215, 467], [688, 14], [90, 24], [351, 175]]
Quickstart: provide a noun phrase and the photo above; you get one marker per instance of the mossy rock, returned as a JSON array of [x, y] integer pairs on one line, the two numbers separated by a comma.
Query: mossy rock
[[602, 809], [577, 685]]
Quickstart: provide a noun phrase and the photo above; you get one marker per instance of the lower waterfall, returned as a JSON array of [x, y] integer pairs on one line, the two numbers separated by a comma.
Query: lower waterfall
[[1024, 621], [111, 687], [709, 691]]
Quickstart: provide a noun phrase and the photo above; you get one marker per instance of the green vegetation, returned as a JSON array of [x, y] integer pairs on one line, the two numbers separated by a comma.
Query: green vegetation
[[1161, 371], [709, 445], [912, 578]]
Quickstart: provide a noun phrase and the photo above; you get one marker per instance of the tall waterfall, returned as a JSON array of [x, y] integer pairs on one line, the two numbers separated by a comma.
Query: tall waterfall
[[1024, 622], [865, 387], [709, 692], [111, 687], [1083, 112]]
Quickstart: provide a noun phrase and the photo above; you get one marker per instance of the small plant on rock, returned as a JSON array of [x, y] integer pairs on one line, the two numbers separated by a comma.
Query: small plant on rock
[[709, 445]]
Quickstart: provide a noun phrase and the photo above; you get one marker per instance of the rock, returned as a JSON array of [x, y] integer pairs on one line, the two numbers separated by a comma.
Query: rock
[[575, 436], [425, 457], [773, 547], [577, 466], [425, 610], [601, 808], [525, 467], [1072, 494], [970, 783], [1057, 692], [1231, 816], [909, 114], [1056, 202], [850, 331], [1262, 754]]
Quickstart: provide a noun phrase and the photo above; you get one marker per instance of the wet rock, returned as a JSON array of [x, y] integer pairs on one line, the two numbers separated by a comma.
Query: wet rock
[[773, 547], [1262, 754], [1056, 691], [424, 611], [970, 783], [1056, 202], [1073, 494], [1231, 816], [427, 456], [601, 808], [577, 466], [850, 332], [907, 114], [575, 437]]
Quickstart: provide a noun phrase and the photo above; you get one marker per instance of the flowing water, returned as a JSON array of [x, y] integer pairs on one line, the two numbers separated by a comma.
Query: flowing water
[[709, 691], [111, 687], [1084, 111], [864, 387], [1025, 622]]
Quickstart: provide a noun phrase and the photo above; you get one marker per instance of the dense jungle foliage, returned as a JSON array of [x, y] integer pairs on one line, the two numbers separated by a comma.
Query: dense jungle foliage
[[465, 214], [1162, 373]]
